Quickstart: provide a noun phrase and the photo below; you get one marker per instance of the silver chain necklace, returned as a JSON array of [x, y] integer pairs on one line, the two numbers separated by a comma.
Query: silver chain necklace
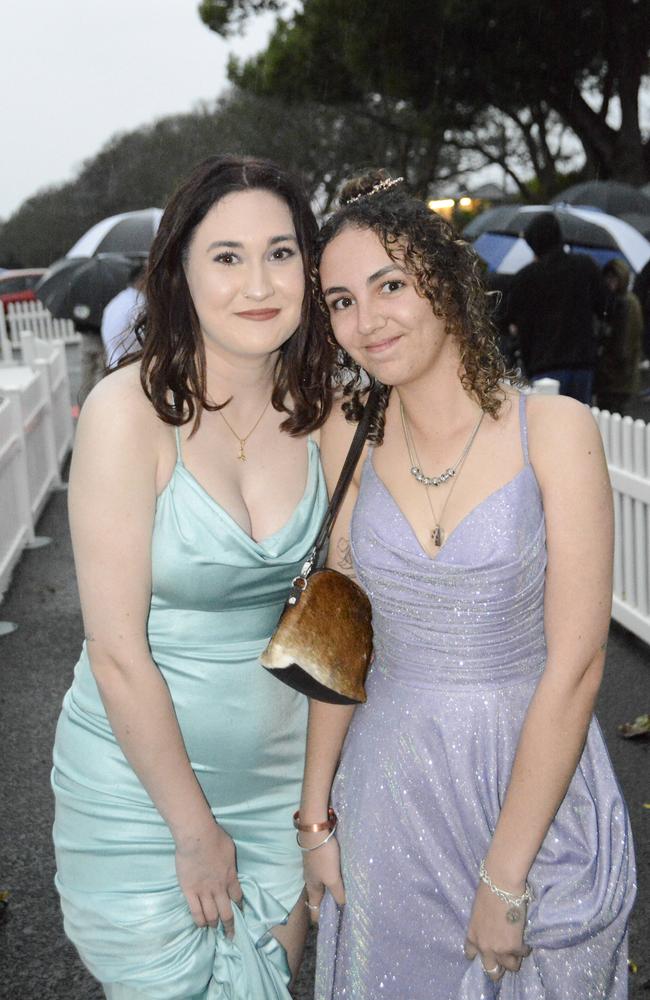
[[437, 533], [449, 473]]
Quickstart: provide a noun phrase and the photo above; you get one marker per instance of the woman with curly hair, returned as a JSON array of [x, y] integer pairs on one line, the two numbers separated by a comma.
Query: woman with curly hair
[[484, 845], [196, 492]]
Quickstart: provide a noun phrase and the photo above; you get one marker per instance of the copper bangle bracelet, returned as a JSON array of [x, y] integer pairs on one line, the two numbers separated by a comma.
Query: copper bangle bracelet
[[314, 827]]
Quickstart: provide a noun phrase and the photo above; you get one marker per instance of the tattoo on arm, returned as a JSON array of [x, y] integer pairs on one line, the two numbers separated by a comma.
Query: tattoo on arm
[[344, 556]]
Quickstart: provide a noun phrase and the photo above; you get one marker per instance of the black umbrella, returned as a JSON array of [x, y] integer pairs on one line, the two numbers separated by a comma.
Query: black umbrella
[[79, 288], [513, 220], [612, 197], [575, 229], [491, 220], [129, 233]]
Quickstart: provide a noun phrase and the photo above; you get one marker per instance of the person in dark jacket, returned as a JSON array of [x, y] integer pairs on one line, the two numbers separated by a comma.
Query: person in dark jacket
[[553, 305], [617, 374]]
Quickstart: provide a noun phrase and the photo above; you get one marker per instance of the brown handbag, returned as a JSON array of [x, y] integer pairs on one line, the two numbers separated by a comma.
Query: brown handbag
[[322, 644]]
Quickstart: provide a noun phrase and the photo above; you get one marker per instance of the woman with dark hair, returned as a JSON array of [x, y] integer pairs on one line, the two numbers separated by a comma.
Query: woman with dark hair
[[484, 844], [195, 494]]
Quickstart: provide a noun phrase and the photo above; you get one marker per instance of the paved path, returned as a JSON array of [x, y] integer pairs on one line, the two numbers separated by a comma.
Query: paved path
[[36, 662]]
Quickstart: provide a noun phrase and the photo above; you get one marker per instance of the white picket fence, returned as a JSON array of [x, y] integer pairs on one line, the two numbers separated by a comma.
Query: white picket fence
[[34, 318], [627, 447], [35, 438]]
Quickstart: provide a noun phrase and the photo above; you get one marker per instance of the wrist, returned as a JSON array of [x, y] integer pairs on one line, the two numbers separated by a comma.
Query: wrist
[[303, 826], [314, 811], [308, 842], [514, 899], [510, 874], [187, 835]]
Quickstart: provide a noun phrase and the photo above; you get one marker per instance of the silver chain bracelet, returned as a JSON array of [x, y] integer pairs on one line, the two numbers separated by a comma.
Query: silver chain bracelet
[[514, 903]]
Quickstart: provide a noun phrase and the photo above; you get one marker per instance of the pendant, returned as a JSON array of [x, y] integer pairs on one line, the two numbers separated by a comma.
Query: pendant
[[241, 456], [513, 915], [436, 536]]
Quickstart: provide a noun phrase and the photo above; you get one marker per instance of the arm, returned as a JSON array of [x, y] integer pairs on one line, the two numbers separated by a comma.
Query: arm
[[112, 501], [570, 465], [328, 724]]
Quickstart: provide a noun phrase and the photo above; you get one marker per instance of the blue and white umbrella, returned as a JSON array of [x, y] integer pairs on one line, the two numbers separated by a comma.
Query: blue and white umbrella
[[585, 230]]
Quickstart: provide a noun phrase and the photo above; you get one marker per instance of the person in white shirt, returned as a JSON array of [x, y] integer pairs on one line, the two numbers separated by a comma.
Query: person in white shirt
[[119, 316]]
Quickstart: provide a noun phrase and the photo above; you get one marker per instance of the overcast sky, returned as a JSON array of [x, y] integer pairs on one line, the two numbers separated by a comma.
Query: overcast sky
[[75, 72]]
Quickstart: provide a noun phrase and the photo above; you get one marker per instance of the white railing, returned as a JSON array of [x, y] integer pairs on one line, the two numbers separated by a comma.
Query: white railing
[[34, 318], [29, 386], [35, 438], [16, 525], [51, 358], [627, 447]]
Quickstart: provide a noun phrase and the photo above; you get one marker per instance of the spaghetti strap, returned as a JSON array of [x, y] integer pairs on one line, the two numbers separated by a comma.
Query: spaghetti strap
[[179, 451], [523, 426]]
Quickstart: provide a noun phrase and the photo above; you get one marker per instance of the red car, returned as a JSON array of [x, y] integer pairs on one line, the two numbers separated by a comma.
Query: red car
[[18, 286]]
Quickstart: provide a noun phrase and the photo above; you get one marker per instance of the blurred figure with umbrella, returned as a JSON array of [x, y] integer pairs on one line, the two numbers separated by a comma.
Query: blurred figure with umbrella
[[79, 289], [119, 318], [553, 305], [617, 375]]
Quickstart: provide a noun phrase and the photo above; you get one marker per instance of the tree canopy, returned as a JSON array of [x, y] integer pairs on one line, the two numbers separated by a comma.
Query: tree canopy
[[141, 168], [478, 70]]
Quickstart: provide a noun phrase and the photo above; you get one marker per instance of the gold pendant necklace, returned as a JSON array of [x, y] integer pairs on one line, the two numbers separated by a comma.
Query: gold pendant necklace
[[437, 533], [242, 440]]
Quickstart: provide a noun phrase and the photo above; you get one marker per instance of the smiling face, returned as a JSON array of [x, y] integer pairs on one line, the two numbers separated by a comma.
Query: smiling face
[[245, 274], [377, 313]]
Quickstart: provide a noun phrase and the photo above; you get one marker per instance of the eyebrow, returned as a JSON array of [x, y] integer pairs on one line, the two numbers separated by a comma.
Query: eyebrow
[[337, 289], [234, 245]]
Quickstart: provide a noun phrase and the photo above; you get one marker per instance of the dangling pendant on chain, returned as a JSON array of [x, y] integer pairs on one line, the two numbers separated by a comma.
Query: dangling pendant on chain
[[241, 456], [436, 536]]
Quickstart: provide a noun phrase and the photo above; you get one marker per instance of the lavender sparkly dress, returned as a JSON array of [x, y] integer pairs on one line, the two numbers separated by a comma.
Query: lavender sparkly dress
[[460, 647]]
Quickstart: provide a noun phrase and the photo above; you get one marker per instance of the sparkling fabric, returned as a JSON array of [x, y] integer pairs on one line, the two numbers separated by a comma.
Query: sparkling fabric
[[425, 767], [217, 595]]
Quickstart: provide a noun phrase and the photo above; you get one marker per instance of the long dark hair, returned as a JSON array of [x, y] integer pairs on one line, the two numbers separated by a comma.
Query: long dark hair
[[447, 272], [172, 352]]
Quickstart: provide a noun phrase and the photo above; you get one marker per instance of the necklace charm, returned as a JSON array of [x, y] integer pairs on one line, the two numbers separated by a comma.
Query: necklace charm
[[242, 440], [436, 536]]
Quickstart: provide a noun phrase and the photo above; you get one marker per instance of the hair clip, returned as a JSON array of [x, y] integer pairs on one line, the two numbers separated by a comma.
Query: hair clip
[[377, 188]]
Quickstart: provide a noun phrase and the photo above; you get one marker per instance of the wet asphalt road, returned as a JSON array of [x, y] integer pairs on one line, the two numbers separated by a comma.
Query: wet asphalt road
[[36, 663]]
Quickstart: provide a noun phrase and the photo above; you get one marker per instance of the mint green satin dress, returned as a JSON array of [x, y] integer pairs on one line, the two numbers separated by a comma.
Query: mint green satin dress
[[216, 597]]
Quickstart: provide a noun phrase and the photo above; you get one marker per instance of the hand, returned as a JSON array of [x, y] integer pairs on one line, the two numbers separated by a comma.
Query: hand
[[207, 874], [499, 942], [322, 871]]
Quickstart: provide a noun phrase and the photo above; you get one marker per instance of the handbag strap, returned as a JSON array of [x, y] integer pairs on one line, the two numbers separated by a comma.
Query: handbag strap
[[349, 465]]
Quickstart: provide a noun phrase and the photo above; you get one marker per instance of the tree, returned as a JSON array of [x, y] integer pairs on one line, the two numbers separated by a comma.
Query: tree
[[534, 70], [141, 168]]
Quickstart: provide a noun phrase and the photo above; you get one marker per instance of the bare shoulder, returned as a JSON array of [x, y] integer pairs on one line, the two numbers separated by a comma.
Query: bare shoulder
[[120, 399], [562, 434], [117, 414], [560, 416]]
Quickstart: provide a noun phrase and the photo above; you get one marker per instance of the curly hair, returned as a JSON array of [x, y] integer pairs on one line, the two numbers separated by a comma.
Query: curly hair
[[447, 272], [172, 352]]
